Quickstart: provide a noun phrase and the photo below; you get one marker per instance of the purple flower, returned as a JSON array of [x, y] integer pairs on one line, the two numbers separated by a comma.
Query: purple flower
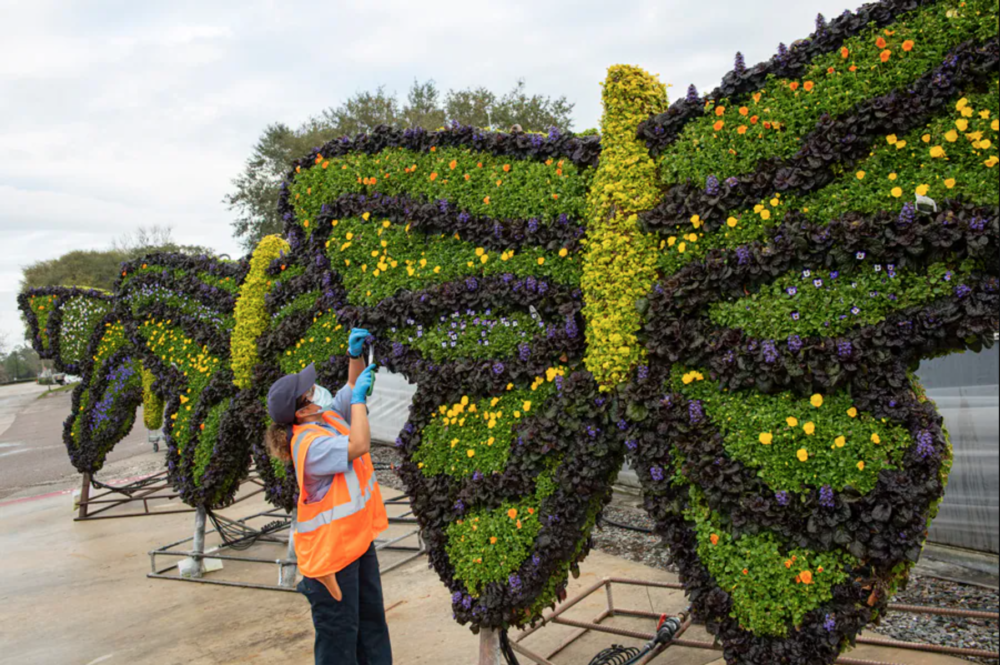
[[845, 349], [571, 330], [477, 476], [536, 560], [692, 95], [826, 497], [443, 205], [855, 310], [532, 225], [464, 217], [524, 352], [599, 402], [696, 412], [818, 283], [796, 316], [559, 383], [771, 353], [456, 598], [740, 66], [948, 276], [732, 181], [498, 368], [712, 187], [794, 343], [632, 445], [830, 624], [467, 602], [820, 24], [471, 283], [782, 498], [643, 372], [793, 291], [908, 215], [978, 224], [460, 507], [861, 256], [743, 255], [515, 582], [963, 291], [397, 349], [782, 53], [925, 445], [657, 474]]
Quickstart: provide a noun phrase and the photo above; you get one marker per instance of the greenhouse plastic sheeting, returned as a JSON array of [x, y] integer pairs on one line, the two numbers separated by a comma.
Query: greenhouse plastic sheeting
[[965, 388]]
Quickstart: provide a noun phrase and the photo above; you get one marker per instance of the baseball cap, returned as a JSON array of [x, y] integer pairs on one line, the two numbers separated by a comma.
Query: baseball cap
[[286, 391]]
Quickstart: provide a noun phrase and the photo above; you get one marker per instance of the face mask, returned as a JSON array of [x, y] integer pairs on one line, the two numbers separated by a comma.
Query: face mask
[[322, 398]]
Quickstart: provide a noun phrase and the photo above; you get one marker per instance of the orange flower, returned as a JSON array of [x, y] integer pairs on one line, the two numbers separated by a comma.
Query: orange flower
[[434, 176], [794, 85], [744, 111], [880, 42], [493, 540], [512, 513], [479, 165], [486, 200], [746, 572], [531, 511], [506, 168], [830, 70], [453, 165], [756, 97], [820, 569], [434, 148], [519, 524], [788, 564], [807, 577], [326, 164], [719, 125], [555, 197], [854, 68], [767, 125], [742, 130], [715, 539], [908, 45], [809, 86], [754, 120], [720, 111], [845, 53], [886, 54], [467, 176]]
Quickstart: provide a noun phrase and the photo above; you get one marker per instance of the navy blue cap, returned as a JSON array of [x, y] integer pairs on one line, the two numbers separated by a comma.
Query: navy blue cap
[[285, 393]]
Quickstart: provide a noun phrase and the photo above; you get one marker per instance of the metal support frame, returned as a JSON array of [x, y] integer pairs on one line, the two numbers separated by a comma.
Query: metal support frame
[[159, 489], [583, 628], [287, 567]]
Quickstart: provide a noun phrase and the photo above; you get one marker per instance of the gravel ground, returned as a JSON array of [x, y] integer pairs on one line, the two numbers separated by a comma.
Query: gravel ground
[[946, 631]]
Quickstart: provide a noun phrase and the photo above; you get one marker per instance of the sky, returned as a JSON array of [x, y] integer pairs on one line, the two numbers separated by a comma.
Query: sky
[[116, 114]]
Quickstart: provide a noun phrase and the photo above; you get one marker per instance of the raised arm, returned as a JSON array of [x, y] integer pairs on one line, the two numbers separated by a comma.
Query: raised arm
[[361, 434], [355, 347]]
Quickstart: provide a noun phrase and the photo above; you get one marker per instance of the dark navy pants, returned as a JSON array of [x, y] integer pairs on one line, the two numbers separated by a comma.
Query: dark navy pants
[[353, 631]]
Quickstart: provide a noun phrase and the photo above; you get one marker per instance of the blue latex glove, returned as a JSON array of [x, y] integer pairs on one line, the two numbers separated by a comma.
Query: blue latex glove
[[356, 342], [364, 385]]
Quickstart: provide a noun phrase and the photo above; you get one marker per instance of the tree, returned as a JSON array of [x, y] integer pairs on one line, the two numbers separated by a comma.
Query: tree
[[254, 198], [22, 363], [99, 269]]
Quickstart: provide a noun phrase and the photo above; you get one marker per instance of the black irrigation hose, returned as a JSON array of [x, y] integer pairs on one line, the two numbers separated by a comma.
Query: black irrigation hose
[[627, 527], [616, 655], [507, 650]]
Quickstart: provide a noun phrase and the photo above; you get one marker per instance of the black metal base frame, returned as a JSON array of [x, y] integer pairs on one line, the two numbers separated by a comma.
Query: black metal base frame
[[583, 628]]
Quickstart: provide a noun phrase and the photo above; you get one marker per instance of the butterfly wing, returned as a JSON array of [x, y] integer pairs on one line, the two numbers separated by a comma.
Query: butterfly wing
[[459, 251], [787, 452]]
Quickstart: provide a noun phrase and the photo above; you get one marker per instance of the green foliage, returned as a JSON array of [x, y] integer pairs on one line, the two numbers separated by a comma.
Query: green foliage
[[467, 437], [490, 545], [41, 307], [477, 182], [251, 312], [729, 142], [796, 445], [303, 303], [325, 339], [773, 588], [477, 336], [112, 340], [620, 261], [254, 198], [820, 303], [388, 258], [152, 404], [207, 438]]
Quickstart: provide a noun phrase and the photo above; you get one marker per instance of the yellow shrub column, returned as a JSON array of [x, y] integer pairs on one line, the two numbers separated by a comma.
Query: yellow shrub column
[[620, 265], [251, 313]]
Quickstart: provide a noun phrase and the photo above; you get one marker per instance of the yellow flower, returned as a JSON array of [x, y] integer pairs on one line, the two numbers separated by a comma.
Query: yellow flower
[[765, 215], [950, 183], [861, 175], [682, 248], [563, 252], [471, 454], [803, 455], [541, 260], [876, 439], [892, 139], [527, 407], [732, 222], [480, 251], [962, 103], [852, 412], [962, 124], [951, 136], [861, 466], [996, 126], [840, 442], [809, 428], [897, 192], [937, 152], [894, 177], [767, 438], [817, 401], [922, 190], [484, 258], [793, 422]]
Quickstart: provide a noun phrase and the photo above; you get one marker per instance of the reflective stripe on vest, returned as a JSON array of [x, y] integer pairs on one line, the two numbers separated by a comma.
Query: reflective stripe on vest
[[359, 501]]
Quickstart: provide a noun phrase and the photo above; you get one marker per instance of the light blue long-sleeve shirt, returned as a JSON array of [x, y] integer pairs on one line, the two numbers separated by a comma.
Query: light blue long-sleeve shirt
[[328, 455]]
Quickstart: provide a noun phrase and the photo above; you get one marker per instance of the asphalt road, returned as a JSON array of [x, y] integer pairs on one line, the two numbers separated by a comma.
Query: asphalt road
[[32, 453]]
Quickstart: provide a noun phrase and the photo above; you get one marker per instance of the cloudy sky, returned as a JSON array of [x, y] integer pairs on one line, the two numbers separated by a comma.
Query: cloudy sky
[[117, 113]]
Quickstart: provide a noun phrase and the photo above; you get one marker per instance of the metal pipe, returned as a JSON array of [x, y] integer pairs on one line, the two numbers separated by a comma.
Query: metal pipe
[[620, 632], [928, 648], [200, 516], [576, 635], [611, 602], [489, 647], [288, 571], [945, 612], [240, 585], [527, 653]]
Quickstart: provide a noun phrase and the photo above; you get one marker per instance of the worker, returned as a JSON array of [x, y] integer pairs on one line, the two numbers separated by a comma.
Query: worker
[[340, 509]]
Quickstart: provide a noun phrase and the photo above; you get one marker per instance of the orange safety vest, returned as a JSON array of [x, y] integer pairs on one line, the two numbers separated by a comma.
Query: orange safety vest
[[336, 531]]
